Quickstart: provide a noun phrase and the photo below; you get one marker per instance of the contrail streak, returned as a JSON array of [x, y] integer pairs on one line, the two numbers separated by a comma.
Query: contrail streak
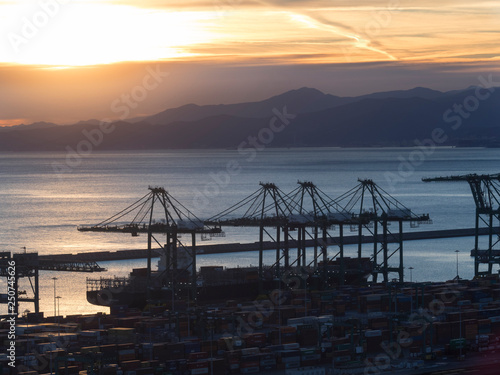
[[333, 27], [359, 41]]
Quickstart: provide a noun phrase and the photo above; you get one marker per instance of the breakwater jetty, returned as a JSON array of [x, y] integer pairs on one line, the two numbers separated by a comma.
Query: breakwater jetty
[[100, 256]]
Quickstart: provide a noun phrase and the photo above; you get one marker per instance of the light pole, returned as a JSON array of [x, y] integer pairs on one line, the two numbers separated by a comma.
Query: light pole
[[457, 251], [58, 312], [58, 309], [411, 276], [25, 315], [55, 311]]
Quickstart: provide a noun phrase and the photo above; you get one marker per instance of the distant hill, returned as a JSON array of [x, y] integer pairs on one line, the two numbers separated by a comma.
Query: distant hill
[[395, 118], [36, 125], [303, 100], [417, 92]]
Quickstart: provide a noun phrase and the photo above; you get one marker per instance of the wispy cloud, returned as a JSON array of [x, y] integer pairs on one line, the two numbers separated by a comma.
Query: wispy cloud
[[341, 30]]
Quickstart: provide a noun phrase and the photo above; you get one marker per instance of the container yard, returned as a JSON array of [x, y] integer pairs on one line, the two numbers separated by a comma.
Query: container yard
[[409, 326]]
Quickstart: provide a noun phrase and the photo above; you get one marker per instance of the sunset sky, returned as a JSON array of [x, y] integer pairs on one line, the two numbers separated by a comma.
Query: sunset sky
[[65, 61]]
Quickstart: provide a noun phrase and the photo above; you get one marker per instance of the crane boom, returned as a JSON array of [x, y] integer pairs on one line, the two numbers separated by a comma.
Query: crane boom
[[485, 190]]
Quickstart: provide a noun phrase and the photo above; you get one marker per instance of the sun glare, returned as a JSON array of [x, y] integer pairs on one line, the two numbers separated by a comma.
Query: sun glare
[[79, 34]]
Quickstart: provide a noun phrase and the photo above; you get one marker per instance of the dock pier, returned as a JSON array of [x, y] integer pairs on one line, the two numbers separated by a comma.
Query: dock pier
[[100, 256]]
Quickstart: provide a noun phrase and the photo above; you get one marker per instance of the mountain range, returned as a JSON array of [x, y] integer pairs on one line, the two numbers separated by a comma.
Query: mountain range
[[305, 117]]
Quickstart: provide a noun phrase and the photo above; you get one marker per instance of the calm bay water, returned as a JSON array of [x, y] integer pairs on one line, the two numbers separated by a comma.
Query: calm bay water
[[40, 209]]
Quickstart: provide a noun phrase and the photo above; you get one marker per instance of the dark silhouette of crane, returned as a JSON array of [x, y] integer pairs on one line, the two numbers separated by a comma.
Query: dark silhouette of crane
[[323, 214], [374, 205], [159, 213], [306, 211], [266, 208], [485, 190], [28, 265]]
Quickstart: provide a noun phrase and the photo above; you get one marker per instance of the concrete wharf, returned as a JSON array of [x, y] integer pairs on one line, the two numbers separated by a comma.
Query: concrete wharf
[[100, 256]]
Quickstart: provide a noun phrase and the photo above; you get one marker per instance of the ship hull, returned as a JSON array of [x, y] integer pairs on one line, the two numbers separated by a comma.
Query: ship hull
[[139, 299]]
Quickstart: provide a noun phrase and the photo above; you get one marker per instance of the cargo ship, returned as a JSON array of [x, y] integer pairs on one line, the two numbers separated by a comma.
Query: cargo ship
[[218, 283]]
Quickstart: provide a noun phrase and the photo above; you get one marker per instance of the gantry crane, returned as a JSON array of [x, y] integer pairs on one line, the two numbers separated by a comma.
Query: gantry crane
[[380, 209], [28, 265], [485, 190], [265, 208], [304, 209], [173, 220], [323, 214]]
